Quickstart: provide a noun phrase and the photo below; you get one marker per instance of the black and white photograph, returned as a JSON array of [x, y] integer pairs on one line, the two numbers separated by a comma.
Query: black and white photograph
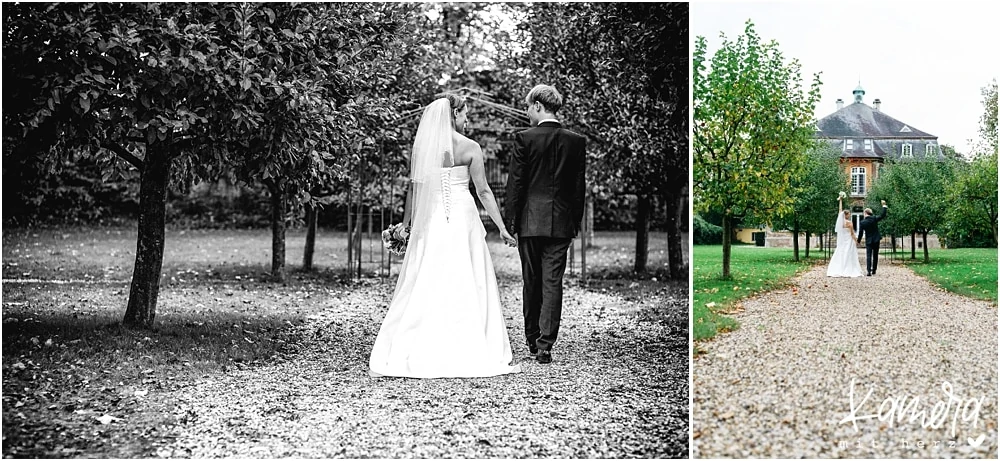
[[346, 230]]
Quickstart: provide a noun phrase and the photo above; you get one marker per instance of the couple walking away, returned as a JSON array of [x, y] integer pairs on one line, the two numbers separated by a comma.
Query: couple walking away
[[445, 318], [844, 262]]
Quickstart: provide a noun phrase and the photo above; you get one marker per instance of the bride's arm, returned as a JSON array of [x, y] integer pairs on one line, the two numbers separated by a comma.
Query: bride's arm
[[408, 208], [840, 205], [477, 170]]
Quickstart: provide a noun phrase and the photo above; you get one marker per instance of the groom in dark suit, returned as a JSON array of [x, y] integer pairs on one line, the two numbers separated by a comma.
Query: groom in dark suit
[[869, 225], [544, 211]]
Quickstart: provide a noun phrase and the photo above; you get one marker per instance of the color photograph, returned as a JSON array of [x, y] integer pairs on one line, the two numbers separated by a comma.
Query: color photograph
[[844, 230]]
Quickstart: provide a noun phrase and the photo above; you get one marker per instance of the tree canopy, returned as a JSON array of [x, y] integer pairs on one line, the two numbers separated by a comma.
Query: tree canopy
[[815, 191], [753, 124]]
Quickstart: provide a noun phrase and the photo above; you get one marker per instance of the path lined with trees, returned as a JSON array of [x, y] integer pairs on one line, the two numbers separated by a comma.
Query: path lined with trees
[[196, 124], [237, 356], [779, 386]]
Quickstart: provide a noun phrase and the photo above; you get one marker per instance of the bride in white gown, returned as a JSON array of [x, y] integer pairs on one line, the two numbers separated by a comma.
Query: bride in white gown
[[844, 262], [445, 318]]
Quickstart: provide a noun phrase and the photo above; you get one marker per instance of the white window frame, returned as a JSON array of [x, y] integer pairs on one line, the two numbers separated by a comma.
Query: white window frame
[[859, 184], [906, 150], [929, 150], [848, 145], [869, 145], [856, 218]]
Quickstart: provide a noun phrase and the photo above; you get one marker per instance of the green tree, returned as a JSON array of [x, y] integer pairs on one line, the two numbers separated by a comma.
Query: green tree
[[916, 192], [814, 206], [988, 122], [972, 203], [752, 126], [971, 209]]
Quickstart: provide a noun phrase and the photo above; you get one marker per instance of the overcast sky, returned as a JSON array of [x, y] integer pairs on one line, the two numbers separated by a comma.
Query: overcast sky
[[926, 61]]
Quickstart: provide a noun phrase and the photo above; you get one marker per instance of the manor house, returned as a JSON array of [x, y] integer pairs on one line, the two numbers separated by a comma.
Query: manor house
[[866, 137]]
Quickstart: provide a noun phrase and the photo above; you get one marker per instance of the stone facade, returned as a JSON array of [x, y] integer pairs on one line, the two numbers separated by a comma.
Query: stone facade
[[867, 137]]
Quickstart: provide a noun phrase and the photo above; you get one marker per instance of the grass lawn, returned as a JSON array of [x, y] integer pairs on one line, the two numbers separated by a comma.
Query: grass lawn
[[969, 272], [105, 254], [753, 269], [76, 384]]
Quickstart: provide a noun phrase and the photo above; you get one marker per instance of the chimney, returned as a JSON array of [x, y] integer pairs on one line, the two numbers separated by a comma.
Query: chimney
[[878, 105], [840, 103]]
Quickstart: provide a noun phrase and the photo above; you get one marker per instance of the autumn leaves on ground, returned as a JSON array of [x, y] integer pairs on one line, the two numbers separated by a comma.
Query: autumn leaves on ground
[[240, 366]]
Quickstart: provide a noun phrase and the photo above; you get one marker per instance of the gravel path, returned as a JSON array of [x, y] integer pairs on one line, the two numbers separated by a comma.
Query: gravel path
[[779, 385], [618, 388]]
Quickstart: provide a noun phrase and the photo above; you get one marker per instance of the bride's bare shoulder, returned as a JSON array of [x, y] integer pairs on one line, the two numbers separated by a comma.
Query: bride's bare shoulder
[[465, 148], [463, 142]]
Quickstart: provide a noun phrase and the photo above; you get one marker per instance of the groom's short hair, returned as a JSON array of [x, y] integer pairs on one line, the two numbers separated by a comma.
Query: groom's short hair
[[547, 95], [868, 211]]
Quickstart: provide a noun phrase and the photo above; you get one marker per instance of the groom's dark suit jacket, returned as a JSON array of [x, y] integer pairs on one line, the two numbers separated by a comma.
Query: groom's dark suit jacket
[[869, 227], [545, 184]]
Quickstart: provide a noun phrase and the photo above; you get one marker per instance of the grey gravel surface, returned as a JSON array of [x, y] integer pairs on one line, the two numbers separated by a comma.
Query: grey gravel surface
[[779, 386], [618, 388]]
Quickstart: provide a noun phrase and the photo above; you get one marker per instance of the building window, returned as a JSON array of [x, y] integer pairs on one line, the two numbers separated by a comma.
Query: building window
[[858, 182], [907, 151], [868, 145], [848, 145], [930, 151]]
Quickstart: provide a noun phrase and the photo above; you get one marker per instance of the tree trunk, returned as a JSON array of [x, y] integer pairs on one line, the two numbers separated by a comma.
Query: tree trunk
[[277, 231], [807, 244], [913, 245], [795, 237], [350, 236], [145, 287], [927, 255], [585, 238], [310, 248], [727, 244], [642, 234], [993, 224], [588, 223], [356, 240], [675, 250]]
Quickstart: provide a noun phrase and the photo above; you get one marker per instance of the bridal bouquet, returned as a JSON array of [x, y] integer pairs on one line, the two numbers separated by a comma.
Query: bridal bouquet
[[842, 194], [392, 240]]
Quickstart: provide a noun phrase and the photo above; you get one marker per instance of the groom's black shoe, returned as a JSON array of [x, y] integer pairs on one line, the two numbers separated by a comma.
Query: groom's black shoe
[[544, 357], [533, 351]]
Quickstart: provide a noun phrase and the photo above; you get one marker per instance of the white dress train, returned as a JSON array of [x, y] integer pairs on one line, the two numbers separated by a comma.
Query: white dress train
[[445, 319], [844, 262]]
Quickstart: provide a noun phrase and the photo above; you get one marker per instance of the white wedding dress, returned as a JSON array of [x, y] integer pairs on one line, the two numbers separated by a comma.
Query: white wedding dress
[[844, 262], [445, 320]]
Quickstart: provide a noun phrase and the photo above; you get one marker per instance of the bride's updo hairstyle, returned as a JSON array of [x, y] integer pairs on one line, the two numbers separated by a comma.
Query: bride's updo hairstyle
[[457, 103]]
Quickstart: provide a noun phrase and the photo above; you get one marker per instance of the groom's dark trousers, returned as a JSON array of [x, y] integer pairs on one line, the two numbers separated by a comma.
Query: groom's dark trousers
[[543, 263], [868, 228], [544, 208]]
